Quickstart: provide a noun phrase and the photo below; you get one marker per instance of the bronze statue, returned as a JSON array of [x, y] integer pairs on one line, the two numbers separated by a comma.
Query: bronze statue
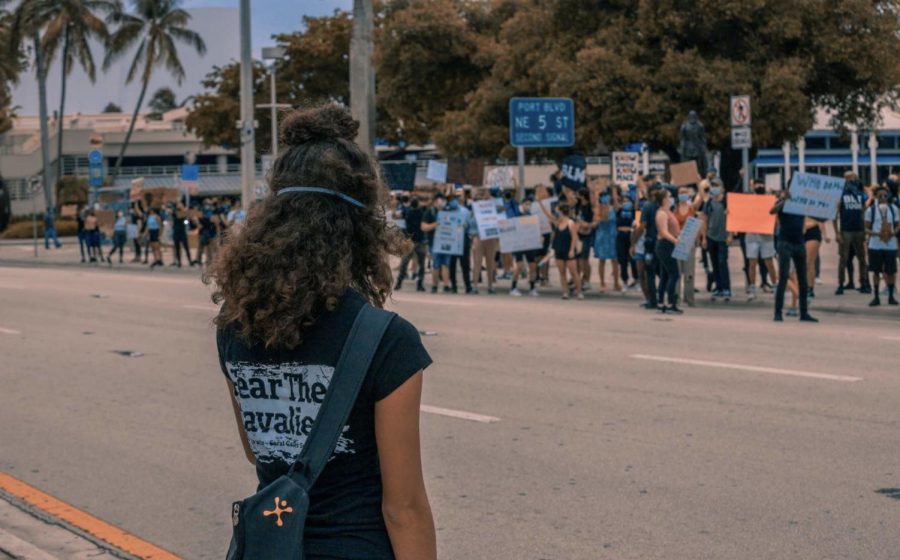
[[692, 144]]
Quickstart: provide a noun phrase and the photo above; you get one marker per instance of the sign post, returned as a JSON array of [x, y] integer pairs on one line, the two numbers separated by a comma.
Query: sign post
[[740, 133], [540, 122], [95, 173]]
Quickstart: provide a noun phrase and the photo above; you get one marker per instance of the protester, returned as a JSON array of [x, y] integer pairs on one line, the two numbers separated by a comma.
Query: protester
[[291, 286], [181, 223], [717, 239], [440, 262], [689, 203], [760, 248], [485, 253], [849, 232], [235, 217], [413, 219], [82, 235], [50, 229], [154, 226], [92, 233], [120, 237], [605, 234], [644, 241], [464, 260], [813, 234], [525, 260], [668, 237], [209, 233], [791, 250], [565, 237], [138, 225], [882, 222], [625, 215]]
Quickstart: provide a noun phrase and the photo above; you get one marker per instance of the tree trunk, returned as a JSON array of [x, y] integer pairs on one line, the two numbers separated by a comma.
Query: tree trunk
[[45, 129], [62, 108], [134, 117]]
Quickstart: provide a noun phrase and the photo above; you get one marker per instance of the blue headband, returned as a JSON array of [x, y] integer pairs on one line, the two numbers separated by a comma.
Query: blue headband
[[321, 190]]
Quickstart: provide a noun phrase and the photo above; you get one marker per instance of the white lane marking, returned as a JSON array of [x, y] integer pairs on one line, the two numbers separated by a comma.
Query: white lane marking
[[894, 338], [459, 414], [9, 331], [435, 301], [758, 369], [202, 307], [7, 287]]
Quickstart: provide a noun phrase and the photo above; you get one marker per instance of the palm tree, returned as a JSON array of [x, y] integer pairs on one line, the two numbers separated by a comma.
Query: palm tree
[[155, 27], [69, 26], [10, 64]]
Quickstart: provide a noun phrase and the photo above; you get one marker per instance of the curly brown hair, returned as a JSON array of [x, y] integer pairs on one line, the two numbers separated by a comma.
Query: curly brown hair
[[297, 254]]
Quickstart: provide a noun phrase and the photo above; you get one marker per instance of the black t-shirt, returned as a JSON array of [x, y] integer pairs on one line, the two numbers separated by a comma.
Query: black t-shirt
[[852, 207], [429, 217], [414, 224], [648, 218], [790, 228], [280, 393]]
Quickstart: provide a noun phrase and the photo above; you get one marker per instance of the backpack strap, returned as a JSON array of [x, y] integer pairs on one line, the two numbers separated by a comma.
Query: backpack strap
[[346, 381]]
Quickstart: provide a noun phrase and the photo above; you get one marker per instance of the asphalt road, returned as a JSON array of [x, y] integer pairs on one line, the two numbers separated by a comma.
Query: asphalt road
[[622, 434]]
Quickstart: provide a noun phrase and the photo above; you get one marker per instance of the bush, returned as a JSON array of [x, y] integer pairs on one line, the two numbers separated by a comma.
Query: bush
[[21, 229]]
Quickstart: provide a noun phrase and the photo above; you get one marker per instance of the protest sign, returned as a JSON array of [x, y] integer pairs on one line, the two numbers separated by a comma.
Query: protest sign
[[816, 196], [500, 178], [437, 171], [749, 213], [137, 185], [625, 167], [573, 172], [449, 235], [688, 239], [549, 204], [685, 173], [773, 182], [486, 217], [520, 234], [69, 211]]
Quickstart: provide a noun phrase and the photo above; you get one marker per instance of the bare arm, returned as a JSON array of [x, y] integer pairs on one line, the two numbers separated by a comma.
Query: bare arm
[[240, 424], [407, 513]]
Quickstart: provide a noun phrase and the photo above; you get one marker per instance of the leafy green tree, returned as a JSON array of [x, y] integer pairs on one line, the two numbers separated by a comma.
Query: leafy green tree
[[68, 26], [162, 100], [11, 63], [112, 108], [155, 28]]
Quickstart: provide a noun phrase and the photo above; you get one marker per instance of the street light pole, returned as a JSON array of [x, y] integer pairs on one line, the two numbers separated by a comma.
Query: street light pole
[[247, 124], [274, 54]]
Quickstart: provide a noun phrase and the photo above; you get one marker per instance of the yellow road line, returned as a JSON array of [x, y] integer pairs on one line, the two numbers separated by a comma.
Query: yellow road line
[[86, 522]]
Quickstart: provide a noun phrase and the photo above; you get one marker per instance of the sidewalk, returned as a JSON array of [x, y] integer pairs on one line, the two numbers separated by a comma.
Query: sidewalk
[[20, 252], [28, 536]]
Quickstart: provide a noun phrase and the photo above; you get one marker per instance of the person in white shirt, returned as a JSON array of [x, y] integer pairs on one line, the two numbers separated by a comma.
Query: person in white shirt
[[882, 225]]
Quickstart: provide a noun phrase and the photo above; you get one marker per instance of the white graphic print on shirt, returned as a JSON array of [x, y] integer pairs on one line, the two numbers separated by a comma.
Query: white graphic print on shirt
[[279, 405]]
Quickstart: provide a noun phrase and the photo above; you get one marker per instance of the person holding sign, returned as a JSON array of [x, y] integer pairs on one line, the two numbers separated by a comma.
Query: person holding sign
[[689, 202], [791, 249], [668, 232], [882, 226], [565, 235], [525, 259], [849, 232], [717, 239]]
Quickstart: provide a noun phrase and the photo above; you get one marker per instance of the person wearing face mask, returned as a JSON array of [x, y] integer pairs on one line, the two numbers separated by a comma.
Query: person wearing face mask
[[669, 233], [465, 260], [625, 214], [882, 221], [429, 225], [646, 231], [791, 250], [604, 241], [525, 260], [849, 232], [686, 208], [716, 239]]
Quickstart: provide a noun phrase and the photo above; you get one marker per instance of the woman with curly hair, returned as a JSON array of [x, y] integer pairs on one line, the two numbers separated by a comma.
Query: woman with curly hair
[[290, 284]]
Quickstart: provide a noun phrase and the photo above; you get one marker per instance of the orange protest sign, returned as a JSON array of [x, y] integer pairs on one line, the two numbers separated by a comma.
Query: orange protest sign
[[749, 213], [685, 173]]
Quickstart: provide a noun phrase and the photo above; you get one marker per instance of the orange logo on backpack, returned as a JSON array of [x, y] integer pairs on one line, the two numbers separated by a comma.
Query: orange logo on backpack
[[279, 509]]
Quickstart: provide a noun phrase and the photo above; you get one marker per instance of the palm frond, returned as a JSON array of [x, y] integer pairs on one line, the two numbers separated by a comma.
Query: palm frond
[[190, 38]]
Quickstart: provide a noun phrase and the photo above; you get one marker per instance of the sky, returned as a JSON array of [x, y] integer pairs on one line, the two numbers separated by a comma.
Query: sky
[[209, 18]]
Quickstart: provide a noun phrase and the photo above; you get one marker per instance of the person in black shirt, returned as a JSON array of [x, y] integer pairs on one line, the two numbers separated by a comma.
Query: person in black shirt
[[647, 228], [849, 232], [290, 286], [414, 216], [181, 223], [791, 248]]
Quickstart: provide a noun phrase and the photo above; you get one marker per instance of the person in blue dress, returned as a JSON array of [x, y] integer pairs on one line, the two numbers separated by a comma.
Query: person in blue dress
[[605, 236]]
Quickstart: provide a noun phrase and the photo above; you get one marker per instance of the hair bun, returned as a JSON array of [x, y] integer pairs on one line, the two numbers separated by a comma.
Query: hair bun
[[327, 122]]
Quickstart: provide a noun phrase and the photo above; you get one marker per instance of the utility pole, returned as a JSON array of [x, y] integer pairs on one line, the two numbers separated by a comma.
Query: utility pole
[[362, 74], [248, 123], [274, 54], [45, 130]]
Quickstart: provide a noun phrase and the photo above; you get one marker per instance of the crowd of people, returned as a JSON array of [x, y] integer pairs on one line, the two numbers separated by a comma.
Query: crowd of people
[[635, 231], [144, 227]]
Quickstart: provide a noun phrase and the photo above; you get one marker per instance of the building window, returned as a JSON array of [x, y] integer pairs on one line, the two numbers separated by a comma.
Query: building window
[[887, 141], [839, 142], [816, 143]]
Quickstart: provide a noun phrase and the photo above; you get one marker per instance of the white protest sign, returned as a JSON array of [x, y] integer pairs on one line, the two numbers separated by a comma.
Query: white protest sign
[[450, 233], [520, 234], [687, 240], [547, 203], [625, 167], [437, 171], [500, 178], [814, 195], [773, 182], [486, 217]]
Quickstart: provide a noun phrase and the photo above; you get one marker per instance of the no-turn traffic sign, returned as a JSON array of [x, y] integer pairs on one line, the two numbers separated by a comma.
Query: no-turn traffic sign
[[740, 110]]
